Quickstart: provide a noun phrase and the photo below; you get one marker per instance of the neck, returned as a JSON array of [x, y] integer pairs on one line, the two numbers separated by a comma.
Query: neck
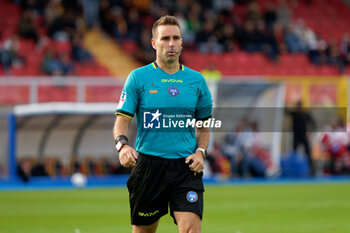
[[169, 68]]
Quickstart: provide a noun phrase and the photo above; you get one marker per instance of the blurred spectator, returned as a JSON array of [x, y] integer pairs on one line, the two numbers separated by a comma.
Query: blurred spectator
[[278, 33], [56, 65], [79, 53], [36, 6], [227, 38], [336, 142], [270, 15], [307, 36], [39, 170], [334, 57], [194, 23], [53, 10], [317, 51], [146, 52], [249, 39], [24, 169], [253, 13], [345, 48], [63, 27], [266, 41], [242, 150], [187, 34], [120, 25], [206, 41], [211, 74], [9, 54], [26, 26], [106, 17], [284, 14], [67, 66], [301, 123], [230, 149], [134, 25], [50, 63], [90, 9], [219, 5], [293, 41]]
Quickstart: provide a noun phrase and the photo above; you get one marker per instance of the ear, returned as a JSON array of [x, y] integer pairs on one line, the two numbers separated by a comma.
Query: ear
[[153, 43]]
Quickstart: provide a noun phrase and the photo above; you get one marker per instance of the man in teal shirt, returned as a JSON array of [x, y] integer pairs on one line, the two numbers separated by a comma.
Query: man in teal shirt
[[168, 99]]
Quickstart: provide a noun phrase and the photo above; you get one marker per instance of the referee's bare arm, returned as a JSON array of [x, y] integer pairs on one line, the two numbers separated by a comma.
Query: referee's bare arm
[[197, 165], [127, 155]]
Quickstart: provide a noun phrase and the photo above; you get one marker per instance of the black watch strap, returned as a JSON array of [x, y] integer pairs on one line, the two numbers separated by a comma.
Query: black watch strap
[[121, 137]]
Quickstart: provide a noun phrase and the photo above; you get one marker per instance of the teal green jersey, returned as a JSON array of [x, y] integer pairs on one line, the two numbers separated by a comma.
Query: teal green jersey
[[166, 107]]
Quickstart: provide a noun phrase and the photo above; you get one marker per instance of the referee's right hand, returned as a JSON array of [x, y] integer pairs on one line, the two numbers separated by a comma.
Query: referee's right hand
[[127, 156]]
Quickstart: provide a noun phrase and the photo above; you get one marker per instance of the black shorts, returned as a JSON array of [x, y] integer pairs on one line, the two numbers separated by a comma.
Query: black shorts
[[156, 183]]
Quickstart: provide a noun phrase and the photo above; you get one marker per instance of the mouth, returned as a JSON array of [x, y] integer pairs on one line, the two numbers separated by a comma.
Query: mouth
[[171, 53]]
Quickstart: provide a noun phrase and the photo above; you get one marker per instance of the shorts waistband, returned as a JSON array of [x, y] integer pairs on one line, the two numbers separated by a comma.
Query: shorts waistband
[[158, 158]]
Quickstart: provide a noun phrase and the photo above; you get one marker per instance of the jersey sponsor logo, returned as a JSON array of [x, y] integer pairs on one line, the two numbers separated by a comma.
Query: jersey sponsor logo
[[192, 196], [164, 80], [151, 120], [148, 214], [173, 91], [122, 99], [153, 91], [158, 120]]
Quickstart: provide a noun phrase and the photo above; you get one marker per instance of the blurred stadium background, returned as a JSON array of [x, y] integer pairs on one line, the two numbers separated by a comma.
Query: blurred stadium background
[[63, 65]]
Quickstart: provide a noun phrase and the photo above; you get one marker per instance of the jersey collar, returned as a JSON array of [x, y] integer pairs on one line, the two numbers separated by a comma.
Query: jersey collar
[[155, 65]]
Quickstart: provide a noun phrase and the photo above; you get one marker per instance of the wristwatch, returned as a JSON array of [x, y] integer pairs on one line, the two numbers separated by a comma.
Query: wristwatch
[[203, 152], [120, 144]]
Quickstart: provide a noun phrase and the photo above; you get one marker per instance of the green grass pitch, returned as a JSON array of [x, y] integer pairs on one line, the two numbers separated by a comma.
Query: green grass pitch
[[292, 208]]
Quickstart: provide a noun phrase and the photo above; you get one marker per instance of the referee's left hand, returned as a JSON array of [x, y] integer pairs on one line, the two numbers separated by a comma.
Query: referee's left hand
[[197, 164]]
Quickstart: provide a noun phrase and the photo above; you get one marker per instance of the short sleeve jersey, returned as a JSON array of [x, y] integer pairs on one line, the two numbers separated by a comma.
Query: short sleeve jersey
[[161, 101]]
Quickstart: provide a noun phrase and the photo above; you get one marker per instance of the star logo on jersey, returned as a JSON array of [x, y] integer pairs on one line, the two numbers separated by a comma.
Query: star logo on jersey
[[151, 120]]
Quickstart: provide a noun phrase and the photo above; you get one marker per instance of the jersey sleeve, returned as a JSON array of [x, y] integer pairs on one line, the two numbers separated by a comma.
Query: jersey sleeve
[[128, 101], [204, 104]]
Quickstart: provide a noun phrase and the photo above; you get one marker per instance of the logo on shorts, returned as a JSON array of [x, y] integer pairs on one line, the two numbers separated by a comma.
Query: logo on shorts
[[173, 91], [148, 214], [192, 196]]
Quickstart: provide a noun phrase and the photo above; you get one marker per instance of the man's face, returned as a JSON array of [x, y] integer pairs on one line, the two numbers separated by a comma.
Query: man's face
[[167, 41]]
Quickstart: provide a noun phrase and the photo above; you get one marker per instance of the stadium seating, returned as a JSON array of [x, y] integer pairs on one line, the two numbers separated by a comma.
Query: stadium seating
[[9, 19], [326, 18], [329, 18], [321, 16]]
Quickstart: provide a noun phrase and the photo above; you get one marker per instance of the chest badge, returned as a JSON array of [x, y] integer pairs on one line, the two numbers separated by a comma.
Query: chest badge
[[173, 91]]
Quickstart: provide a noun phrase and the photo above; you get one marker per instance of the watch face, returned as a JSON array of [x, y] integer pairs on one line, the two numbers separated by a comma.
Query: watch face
[[119, 146]]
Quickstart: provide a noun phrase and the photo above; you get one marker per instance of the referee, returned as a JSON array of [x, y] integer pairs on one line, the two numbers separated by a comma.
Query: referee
[[169, 155]]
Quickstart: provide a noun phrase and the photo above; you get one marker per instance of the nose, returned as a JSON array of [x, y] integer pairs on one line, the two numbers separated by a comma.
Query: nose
[[172, 42]]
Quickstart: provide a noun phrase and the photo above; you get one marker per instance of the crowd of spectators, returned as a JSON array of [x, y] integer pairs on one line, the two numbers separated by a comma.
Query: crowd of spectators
[[213, 27], [241, 153], [46, 23], [208, 26], [334, 147]]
